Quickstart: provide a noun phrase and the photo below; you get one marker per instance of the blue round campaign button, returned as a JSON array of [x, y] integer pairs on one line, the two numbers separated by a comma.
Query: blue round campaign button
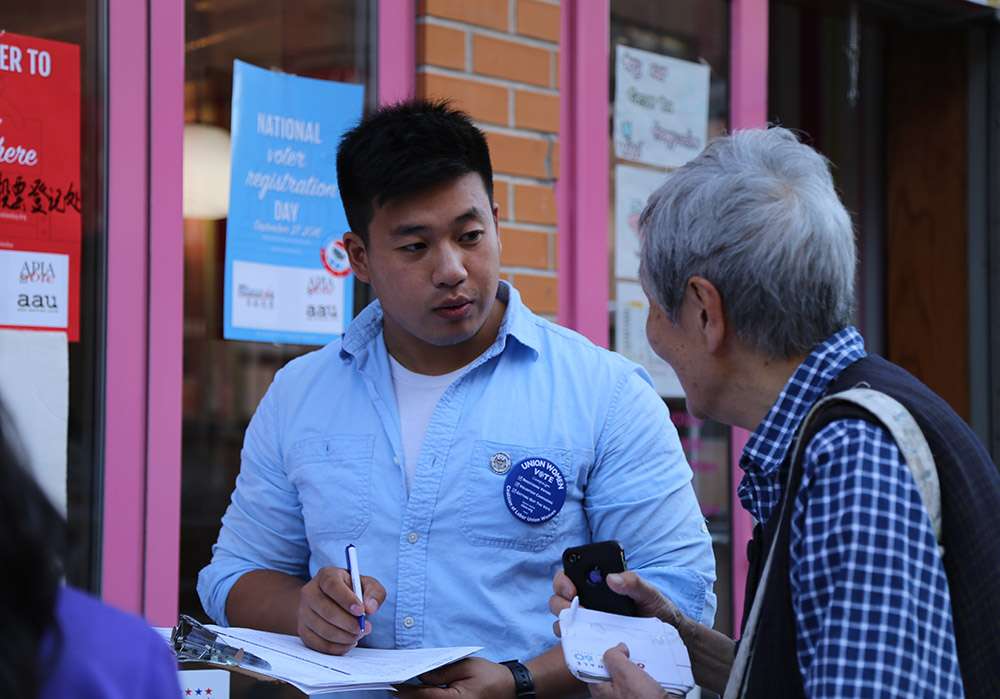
[[535, 490]]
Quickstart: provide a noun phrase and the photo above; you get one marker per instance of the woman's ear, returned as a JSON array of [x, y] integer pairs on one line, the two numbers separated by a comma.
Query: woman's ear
[[711, 318]]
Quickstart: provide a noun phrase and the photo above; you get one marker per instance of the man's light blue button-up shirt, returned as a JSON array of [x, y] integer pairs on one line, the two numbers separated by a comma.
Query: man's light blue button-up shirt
[[322, 468]]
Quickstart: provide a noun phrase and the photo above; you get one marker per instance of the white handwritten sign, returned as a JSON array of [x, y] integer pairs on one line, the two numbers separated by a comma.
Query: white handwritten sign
[[633, 185], [661, 108], [631, 310]]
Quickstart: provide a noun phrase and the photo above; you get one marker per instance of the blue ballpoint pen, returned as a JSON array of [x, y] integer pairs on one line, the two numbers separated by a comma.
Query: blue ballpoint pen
[[355, 572]]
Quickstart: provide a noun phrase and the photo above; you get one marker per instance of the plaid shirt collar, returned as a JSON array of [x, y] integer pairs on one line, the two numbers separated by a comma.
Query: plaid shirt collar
[[760, 489]]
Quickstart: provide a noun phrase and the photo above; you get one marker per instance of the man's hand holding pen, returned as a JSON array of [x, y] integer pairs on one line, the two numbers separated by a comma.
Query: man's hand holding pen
[[329, 610]]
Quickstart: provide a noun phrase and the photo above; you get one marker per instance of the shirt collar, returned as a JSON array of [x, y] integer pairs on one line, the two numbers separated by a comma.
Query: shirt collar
[[766, 449], [518, 322]]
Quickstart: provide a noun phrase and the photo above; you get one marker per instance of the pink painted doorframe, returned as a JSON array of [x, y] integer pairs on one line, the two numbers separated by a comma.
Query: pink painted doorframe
[[583, 186], [397, 50], [582, 190], [166, 312], [126, 370], [142, 468], [747, 109], [145, 275]]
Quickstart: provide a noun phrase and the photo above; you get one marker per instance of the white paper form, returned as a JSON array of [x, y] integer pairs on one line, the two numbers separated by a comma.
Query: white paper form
[[362, 668], [654, 646]]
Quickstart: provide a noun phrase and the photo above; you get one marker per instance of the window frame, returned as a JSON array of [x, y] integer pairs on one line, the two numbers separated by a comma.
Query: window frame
[[140, 563], [583, 187]]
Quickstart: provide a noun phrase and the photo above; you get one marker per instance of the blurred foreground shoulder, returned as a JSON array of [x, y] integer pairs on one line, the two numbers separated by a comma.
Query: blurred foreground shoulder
[[99, 651]]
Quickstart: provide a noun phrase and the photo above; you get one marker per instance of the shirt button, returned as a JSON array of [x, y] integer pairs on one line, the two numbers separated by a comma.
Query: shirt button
[[395, 460], [408, 622], [412, 537]]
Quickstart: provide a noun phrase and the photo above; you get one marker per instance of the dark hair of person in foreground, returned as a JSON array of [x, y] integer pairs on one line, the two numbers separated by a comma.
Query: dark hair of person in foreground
[[32, 550]]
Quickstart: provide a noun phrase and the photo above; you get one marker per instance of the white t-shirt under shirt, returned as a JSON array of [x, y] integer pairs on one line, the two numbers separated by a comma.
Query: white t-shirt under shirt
[[416, 397]]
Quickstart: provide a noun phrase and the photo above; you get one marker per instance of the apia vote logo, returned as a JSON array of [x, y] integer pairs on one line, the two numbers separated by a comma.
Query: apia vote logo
[[335, 260], [37, 272]]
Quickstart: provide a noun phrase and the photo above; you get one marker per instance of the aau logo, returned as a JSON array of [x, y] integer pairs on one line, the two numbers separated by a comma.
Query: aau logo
[[37, 272], [46, 303]]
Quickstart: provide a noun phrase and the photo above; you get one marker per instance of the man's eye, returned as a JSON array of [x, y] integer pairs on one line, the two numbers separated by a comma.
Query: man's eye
[[472, 236], [412, 247]]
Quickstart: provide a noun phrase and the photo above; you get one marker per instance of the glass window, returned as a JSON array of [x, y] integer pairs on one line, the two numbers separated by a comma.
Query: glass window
[[82, 23], [224, 380], [696, 31]]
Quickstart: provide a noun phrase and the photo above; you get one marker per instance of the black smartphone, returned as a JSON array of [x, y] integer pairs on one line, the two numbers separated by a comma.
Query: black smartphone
[[587, 566]]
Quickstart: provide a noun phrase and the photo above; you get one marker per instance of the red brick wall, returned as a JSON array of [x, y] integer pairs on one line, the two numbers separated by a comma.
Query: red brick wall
[[498, 61]]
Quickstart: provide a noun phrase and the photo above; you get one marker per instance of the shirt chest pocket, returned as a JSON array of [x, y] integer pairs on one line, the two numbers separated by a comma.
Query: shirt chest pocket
[[333, 478], [513, 497]]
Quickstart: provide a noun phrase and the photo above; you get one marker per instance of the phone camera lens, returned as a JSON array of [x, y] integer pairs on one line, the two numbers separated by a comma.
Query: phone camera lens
[[574, 558]]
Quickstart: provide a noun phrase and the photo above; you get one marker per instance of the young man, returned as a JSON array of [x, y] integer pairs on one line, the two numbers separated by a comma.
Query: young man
[[460, 441], [748, 261]]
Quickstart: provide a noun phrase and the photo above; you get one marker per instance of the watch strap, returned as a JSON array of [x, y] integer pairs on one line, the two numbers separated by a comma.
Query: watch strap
[[524, 684]]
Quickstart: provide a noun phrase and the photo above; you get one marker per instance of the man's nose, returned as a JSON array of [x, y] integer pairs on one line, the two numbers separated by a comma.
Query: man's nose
[[449, 267]]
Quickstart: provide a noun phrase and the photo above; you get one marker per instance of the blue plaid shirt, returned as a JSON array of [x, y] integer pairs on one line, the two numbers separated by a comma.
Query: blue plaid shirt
[[869, 592]]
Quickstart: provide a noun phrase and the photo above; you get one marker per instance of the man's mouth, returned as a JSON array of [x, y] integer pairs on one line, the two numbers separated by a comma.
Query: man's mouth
[[454, 309], [455, 302]]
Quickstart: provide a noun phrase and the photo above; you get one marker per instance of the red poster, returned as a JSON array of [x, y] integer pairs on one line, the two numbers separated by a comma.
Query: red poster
[[40, 197]]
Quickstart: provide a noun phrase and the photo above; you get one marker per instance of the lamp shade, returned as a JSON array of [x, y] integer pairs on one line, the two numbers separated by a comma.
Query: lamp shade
[[206, 171]]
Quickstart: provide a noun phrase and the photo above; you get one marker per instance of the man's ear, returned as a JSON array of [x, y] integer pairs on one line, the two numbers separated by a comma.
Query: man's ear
[[496, 224], [707, 303], [358, 255]]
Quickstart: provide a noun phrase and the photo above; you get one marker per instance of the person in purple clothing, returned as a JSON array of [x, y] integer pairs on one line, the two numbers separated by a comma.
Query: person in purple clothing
[[58, 641]]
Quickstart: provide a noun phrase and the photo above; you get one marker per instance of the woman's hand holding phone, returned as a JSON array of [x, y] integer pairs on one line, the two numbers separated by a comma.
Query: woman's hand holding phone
[[711, 652], [648, 600]]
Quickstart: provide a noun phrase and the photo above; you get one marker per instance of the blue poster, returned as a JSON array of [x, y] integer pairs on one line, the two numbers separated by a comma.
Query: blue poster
[[288, 278]]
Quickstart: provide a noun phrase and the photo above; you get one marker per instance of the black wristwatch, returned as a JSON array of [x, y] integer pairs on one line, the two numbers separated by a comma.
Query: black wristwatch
[[524, 685]]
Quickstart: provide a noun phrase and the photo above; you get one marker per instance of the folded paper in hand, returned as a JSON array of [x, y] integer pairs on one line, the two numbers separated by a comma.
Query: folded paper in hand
[[654, 646], [286, 658]]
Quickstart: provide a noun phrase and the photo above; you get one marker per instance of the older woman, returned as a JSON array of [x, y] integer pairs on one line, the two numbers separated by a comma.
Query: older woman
[[748, 260]]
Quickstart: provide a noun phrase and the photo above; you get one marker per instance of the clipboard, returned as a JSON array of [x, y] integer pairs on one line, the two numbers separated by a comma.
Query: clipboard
[[198, 646], [285, 659]]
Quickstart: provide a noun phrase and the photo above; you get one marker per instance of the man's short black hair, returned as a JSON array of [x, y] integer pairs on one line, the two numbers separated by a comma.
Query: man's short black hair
[[403, 149]]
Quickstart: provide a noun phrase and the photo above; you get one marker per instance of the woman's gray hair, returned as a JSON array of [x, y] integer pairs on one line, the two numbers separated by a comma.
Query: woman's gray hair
[[756, 214]]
